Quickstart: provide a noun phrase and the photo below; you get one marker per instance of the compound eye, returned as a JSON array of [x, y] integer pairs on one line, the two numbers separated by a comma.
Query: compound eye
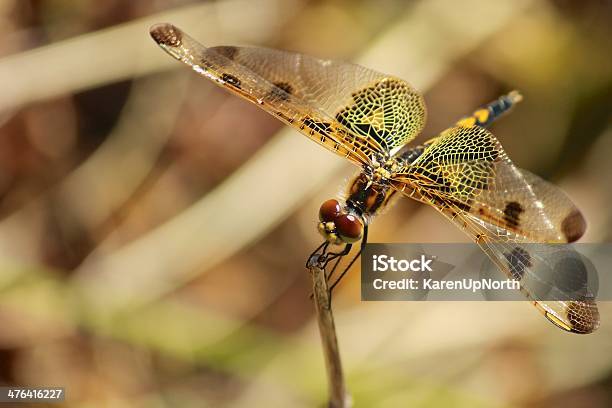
[[350, 228], [330, 210]]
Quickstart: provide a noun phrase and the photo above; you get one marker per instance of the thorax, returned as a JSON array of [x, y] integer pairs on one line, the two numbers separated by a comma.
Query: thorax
[[370, 190]]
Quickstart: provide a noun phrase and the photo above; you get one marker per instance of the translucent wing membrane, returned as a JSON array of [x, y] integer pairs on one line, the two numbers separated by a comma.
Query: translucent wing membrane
[[467, 176], [353, 111], [469, 168], [544, 280], [556, 278]]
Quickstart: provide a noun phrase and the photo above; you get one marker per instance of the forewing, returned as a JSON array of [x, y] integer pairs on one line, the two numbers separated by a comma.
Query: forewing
[[467, 176], [352, 110]]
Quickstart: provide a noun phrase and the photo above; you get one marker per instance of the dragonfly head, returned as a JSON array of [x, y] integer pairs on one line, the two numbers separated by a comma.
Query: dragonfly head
[[339, 225]]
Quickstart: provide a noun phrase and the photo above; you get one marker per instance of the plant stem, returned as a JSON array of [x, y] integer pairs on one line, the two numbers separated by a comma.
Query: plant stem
[[338, 397]]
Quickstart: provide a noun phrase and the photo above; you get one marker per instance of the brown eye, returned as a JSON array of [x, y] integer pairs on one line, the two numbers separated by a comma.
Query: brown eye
[[350, 228], [329, 210]]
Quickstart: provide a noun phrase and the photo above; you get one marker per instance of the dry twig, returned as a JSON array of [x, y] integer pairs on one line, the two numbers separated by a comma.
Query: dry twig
[[338, 397]]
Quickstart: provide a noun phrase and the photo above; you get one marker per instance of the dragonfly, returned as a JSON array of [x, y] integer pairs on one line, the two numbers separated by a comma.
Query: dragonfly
[[370, 118]]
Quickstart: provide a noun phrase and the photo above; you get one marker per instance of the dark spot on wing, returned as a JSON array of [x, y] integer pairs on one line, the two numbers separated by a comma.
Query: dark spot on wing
[[227, 51], [571, 275], [573, 226], [366, 103], [285, 86], [166, 34], [281, 90], [230, 79], [512, 213], [461, 205], [518, 260], [434, 181], [444, 202], [351, 117], [319, 127]]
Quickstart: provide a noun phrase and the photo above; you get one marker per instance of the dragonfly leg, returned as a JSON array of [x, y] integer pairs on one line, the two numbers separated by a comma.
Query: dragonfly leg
[[321, 258], [333, 255], [316, 258], [333, 269], [364, 241]]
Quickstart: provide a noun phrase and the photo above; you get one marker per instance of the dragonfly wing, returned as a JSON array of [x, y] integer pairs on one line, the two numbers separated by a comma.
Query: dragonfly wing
[[520, 201], [554, 278], [349, 109], [467, 176], [468, 166]]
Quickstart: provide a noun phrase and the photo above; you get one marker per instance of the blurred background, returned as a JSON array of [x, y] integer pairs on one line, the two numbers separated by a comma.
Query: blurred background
[[154, 228]]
